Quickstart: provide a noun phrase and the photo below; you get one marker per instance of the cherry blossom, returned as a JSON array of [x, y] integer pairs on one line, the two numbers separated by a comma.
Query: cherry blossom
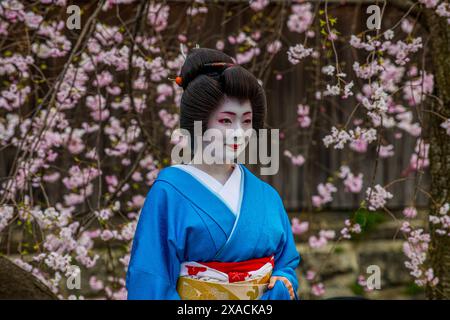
[[377, 196], [325, 194], [298, 52], [299, 227], [410, 212]]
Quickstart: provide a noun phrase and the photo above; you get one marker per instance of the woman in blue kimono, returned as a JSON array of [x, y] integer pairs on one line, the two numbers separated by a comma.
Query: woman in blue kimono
[[214, 231]]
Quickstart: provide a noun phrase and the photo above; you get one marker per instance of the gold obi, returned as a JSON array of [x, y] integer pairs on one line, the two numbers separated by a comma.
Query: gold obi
[[193, 289]]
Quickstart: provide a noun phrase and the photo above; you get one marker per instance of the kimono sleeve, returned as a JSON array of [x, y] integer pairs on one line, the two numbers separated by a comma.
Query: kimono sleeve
[[154, 264], [286, 261]]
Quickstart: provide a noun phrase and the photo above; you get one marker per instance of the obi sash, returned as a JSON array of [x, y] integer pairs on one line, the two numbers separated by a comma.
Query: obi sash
[[243, 280]]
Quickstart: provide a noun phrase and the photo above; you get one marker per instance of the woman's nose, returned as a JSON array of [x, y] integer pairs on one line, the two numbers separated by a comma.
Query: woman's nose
[[237, 134]]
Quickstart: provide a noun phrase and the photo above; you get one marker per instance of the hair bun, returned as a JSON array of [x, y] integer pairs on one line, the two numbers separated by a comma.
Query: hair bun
[[204, 61]]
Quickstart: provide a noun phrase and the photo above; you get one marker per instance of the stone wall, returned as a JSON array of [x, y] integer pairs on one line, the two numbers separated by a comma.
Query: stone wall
[[340, 263]]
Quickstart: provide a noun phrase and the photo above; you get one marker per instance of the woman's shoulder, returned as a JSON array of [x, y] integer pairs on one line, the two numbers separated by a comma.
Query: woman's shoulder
[[173, 182], [268, 189], [165, 181], [170, 174]]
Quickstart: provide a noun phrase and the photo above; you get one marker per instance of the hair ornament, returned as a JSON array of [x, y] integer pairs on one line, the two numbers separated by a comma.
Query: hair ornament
[[219, 64], [211, 65], [182, 51]]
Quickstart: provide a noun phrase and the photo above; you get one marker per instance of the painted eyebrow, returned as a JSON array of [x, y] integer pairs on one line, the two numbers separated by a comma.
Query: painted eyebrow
[[233, 114]]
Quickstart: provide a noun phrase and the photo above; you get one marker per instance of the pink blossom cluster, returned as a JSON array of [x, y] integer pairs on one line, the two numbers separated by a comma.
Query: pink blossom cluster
[[14, 97], [169, 120], [79, 182], [44, 154], [370, 45], [196, 8], [415, 248], [332, 90], [358, 136], [50, 283], [410, 212], [303, 115], [110, 3], [377, 197], [16, 63], [6, 214], [150, 166], [299, 227], [442, 221], [419, 158], [377, 98], [104, 36], [386, 151], [368, 70], [249, 45], [322, 239], [353, 183], [258, 5], [274, 47], [328, 70], [325, 194], [61, 3], [13, 12], [164, 91], [350, 228], [73, 87], [363, 283], [318, 289], [429, 3], [443, 10], [405, 120], [97, 105], [297, 160], [150, 43], [123, 140], [56, 45], [158, 16], [415, 90], [298, 52], [400, 50], [61, 246], [301, 17], [377, 105], [7, 130], [446, 125]]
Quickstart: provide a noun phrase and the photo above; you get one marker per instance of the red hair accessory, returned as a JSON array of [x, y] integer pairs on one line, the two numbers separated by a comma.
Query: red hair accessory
[[179, 81]]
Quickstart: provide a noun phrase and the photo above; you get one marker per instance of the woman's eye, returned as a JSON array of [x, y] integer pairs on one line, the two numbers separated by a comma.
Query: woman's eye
[[225, 121], [248, 121]]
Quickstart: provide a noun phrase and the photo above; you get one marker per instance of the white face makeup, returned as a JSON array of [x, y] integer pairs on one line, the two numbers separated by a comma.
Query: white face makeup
[[234, 120]]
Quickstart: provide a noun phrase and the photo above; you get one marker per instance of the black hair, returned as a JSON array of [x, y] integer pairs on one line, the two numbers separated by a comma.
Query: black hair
[[205, 88]]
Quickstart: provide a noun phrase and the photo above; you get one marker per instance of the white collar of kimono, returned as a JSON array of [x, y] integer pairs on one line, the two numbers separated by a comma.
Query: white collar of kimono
[[229, 192]]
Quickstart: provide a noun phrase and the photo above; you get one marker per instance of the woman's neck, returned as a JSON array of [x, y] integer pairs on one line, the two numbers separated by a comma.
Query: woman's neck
[[220, 172]]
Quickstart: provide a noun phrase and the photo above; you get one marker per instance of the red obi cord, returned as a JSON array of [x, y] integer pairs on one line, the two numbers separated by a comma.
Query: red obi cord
[[236, 271]]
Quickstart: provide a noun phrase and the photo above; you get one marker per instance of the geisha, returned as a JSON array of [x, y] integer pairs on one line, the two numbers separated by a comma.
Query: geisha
[[214, 231]]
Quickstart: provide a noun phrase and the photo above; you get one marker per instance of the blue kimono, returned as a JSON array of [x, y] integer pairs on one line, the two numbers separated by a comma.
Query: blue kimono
[[183, 220]]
